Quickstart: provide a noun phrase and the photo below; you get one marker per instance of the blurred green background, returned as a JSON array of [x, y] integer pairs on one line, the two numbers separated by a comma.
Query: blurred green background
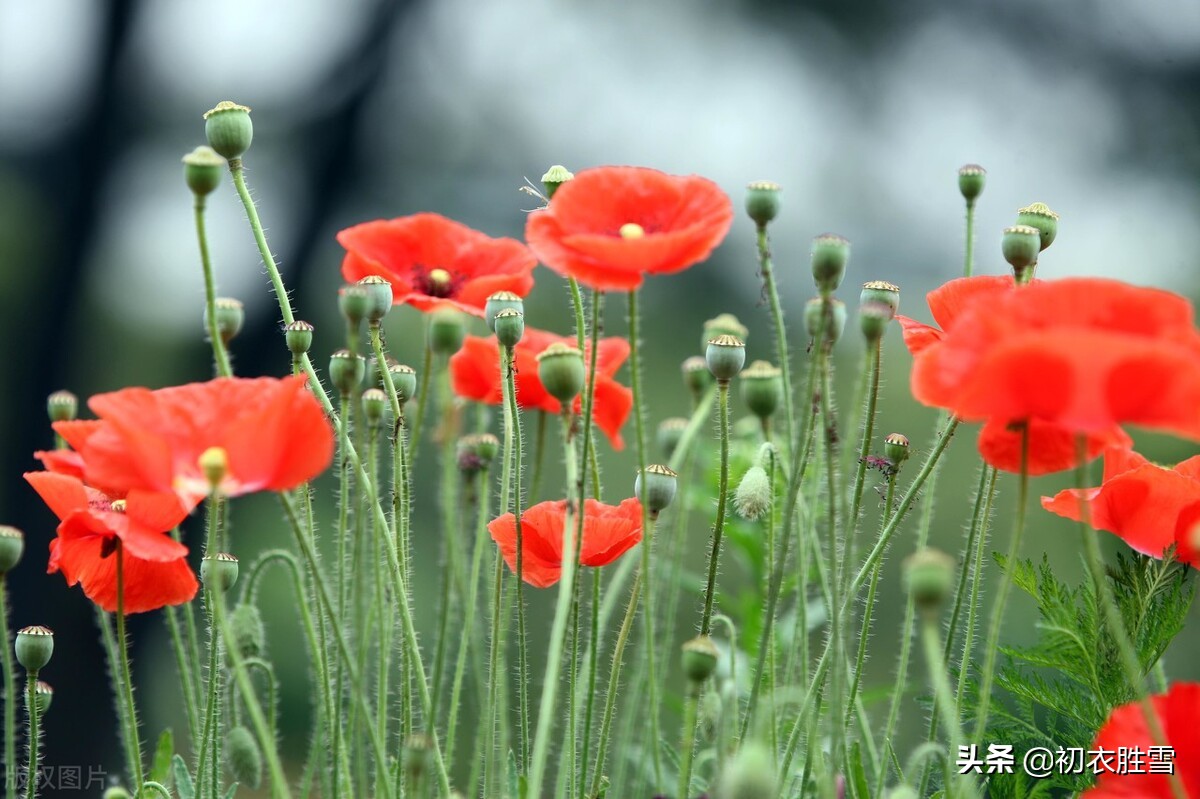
[[863, 111]]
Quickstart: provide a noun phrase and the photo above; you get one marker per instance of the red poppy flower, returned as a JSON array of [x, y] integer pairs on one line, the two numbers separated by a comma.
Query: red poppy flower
[[433, 261], [273, 431], [475, 371], [1178, 713], [608, 532], [611, 226], [1150, 507], [155, 565]]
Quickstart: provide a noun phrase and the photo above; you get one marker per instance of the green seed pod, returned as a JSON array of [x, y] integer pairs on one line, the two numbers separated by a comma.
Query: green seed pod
[[971, 179], [501, 301], [243, 757], [700, 658], [404, 378], [830, 254], [116, 792], [658, 489], [670, 432], [346, 371], [883, 292], [446, 331], [560, 368], [761, 385], [298, 336], [509, 327], [231, 315], [1021, 245], [34, 646], [750, 774], [43, 694], [762, 201], [379, 297], [725, 324], [248, 634], [725, 356], [354, 302], [555, 176], [220, 571], [928, 577], [1040, 216], [229, 129], [835, 319], [696, 376], [12, 547], [476, 452], [873, 318], [374, 405], [202, 170], [895, 448], [753, 496], [62, 406]]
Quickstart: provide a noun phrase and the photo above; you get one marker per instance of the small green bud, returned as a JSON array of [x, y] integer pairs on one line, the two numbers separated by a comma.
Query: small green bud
[[762, 201], [415, 755], [231, 315], [761, 385], [895, 448], [883, 292], [202, 170], [346, 371], [34, 646], [476, 452], [229, 129], [1040, 216], [696, 376], [749, 774], [247, 632], [830, 254], [928, 577], [243, 757], [657, 490], [509, 327], [725, 324], [116, 792], [753, 496], [12, 547], [670, 432], [374, 405], [220, 570], [404, 378], [971, 179], [560, 368], [873, 318], [299, 337], [700, 658], [555, 176], [446, 331], [43, 694], [379, 297], [1021, 245], [725, 356], [500, 301], [354, 303], [62, 406], [835, 319]]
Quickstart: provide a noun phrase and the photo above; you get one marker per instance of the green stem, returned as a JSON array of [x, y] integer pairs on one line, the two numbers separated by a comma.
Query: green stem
[[614, 680], [722, 494], [341, 584], [865, 631], [781, 344], [687, 747], [449, 498], [131, 728], [483, 496], [10, 695], [539, 453], [31, 709], [836, 555], [495, 678], [220, 356], [186, 677], [512, 421], [590, 694], [969, 257], [905, 639], [931, 639], [422, 396]]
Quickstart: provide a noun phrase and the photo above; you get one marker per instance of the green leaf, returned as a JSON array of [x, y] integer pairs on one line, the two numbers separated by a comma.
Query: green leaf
[[183, 781], [856, 778], [160, 767], [232, 790]]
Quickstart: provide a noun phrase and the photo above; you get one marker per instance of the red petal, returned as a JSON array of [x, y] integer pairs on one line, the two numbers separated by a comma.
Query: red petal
[[917, 336], [610, 532], [1051, 448], [62, 493], [475, 370], [1179, 717]]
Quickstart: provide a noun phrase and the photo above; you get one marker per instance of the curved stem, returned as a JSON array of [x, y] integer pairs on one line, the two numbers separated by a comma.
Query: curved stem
[[131, 721], [220, 356]]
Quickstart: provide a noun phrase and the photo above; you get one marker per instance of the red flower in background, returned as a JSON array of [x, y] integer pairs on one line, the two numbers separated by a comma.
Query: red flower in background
[[155, 565], [610, 227], [433, 261], [1178, 713], [475, 371], [273, 431], [1150, 507], [608, 532]]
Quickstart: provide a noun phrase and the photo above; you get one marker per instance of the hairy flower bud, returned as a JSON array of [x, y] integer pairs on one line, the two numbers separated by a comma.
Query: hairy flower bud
[[753, 496], [243, 757], [248, 635], [749, 774]]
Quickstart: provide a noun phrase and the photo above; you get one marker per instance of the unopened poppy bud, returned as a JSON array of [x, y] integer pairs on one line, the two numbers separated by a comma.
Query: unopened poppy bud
[[753, 496], [229, 129], [404, 378], [762, 201], [476, 452], [834, 316], [446, 331], [696, 376], [881, 291], [725, 356], [379, 297], [830, 254], [62, 406], [709, 712], [501, 301], [928, 577], [299, 336], [34, 646], [219, 571], [873, 318], [214, 465], [1040, 216], [555, 176], [231, 315], [12, 547], [243, 757], [346, 371], [657, 489], [202, 170], [374, 405], [353, 302], [700, 658], [116, 792], [725, 324], [895, 448], [670, 432], [43, 694], [247, 633], [560, 369], [971, 178], [415, 755], [749, 774], [1021, 245], [510, 327], [761, 385]]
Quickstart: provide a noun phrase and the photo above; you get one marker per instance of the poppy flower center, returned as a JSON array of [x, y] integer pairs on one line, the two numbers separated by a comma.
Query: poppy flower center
[[213, 463], [436, 282], [631, 230]]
